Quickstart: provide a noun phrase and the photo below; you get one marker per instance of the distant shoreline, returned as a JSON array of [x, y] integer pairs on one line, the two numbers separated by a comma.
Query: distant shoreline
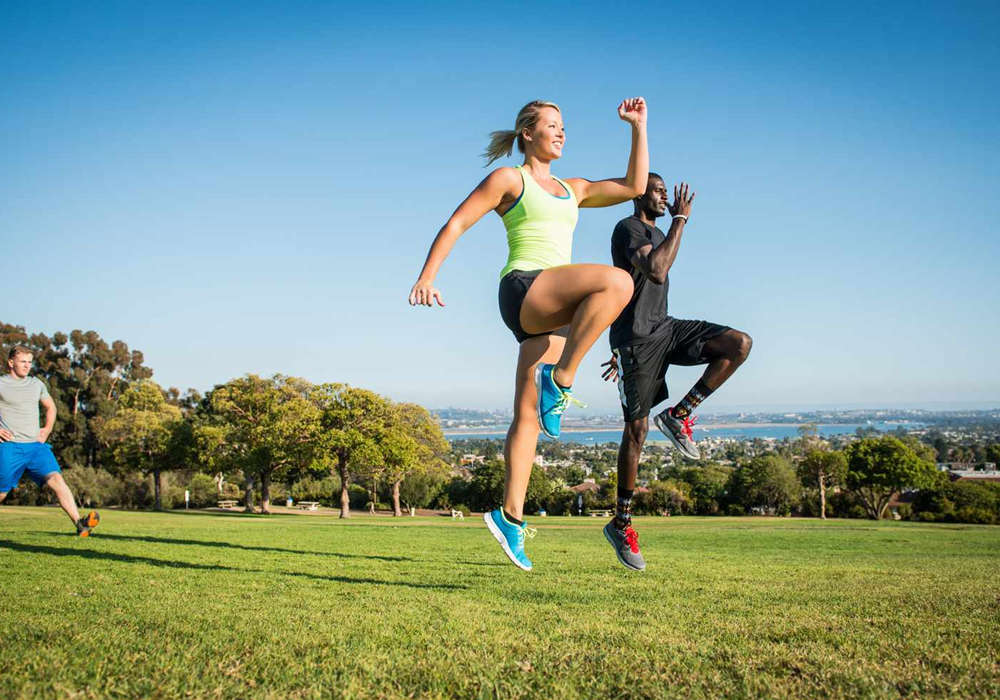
[[458, 432]]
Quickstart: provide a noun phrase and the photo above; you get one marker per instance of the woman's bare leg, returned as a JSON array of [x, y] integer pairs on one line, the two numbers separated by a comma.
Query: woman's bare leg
[[587, 297], [522, 437]]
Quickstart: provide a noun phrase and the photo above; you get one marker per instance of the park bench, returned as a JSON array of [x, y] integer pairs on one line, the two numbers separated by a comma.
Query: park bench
[[600, 513], [457, 514], [227, 504], [308, 505]]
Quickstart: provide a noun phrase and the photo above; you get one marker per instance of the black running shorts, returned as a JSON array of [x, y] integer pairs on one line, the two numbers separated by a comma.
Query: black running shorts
[[513, 288], [642, 368]]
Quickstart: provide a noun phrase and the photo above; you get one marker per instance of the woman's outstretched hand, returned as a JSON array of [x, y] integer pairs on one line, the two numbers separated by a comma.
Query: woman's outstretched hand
[[425, 294], [633, 111]]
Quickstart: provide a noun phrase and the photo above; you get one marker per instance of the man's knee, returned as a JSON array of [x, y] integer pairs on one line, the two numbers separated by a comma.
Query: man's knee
[[636, 431], [732, 345], [3, 495], [743, 345], [54, 480]]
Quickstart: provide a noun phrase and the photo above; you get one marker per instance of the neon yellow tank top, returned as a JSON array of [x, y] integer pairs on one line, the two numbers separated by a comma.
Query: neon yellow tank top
[[540, 227]]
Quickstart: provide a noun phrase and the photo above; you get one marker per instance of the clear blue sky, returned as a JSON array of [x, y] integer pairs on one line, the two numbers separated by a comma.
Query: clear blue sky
[[252, 187]]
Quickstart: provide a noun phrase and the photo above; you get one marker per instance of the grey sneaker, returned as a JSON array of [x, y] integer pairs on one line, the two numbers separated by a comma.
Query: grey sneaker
[[678, 430], [626, 545]]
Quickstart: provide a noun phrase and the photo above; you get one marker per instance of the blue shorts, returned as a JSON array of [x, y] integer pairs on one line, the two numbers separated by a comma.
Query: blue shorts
[[16, 458]]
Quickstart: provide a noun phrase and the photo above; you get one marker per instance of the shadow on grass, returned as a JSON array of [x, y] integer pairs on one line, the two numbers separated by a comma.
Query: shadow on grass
[[242, 547], [170, 564]]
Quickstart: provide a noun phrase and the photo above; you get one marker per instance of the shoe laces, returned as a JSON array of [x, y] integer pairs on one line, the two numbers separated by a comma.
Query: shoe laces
[[632, 539], [563, 402], [525, 530], [688, 422]]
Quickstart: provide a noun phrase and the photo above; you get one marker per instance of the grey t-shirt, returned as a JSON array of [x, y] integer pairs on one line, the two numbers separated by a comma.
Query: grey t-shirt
[[19, 406]]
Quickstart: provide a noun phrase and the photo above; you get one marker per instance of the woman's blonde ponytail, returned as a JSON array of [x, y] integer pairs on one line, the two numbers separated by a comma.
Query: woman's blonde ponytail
[[502, 142]]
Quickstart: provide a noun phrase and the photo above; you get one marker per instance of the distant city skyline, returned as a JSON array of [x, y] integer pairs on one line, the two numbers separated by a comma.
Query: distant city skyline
[[253, 188]]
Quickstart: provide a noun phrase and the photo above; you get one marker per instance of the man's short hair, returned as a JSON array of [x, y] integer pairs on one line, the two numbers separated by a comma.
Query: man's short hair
[[652, 175], [18, 350]]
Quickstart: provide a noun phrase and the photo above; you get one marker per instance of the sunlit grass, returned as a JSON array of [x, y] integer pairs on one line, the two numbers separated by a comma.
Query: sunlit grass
[[202, 605]]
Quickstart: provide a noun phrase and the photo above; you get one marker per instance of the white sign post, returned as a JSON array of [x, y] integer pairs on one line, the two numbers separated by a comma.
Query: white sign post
[[187, 497]]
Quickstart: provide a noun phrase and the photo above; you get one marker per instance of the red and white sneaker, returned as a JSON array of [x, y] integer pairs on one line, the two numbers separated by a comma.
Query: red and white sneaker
[[626, 546], [678, 430]]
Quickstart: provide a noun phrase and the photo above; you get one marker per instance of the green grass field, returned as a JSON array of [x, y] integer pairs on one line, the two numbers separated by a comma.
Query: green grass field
[[214, 605]]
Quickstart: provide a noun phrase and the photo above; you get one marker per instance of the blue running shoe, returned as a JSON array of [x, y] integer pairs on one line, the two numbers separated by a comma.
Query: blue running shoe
[[510, 537], [552, 400]]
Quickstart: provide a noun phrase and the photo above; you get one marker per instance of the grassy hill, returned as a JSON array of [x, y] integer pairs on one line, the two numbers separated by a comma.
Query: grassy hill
[[181, 605]]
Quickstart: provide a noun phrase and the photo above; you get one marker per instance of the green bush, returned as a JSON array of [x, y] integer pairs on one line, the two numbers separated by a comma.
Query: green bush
[[972, 514], [562, 501], [203, 491], [462, 508], [358, 496], [735, 510], [857, 512]]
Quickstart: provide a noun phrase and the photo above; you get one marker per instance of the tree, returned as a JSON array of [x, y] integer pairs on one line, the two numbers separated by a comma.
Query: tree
[[809, 439], [993, 453], [141, 434], [823, 469], [709, 486], [879, 467], [766, 482], [261, 425], [417, 446], [671, 496], [351, 424]]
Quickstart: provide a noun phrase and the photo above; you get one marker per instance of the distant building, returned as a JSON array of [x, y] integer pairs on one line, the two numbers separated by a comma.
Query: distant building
[[970, 471], [972, 475], [588, 485]]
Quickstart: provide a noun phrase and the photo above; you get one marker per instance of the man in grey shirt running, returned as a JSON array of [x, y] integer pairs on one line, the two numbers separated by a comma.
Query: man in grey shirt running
[[23, 446]]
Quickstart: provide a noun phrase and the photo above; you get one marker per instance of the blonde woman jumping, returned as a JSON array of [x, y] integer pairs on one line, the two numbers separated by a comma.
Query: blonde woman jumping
[[555, 310]]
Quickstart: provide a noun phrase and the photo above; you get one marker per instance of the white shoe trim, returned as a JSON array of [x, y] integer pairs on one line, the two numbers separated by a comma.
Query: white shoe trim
[[682, 448], [617, 553], [503, 542]]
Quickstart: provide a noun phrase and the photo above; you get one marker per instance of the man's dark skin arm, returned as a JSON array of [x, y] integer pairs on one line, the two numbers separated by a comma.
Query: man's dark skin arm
[[655, 263]]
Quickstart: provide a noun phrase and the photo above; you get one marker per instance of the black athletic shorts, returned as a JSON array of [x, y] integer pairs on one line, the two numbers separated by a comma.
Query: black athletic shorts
[[642, 368], [513, 288]]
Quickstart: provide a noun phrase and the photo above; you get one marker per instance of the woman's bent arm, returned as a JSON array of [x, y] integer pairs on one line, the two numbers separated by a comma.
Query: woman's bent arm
[[488, 195], [605, 193]]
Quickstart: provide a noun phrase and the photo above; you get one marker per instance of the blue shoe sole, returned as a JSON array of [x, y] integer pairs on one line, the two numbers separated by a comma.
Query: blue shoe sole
[[503, 542], [538, 402]]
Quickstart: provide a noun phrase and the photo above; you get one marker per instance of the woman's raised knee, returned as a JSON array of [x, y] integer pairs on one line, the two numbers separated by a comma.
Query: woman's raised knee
[[619, 283]]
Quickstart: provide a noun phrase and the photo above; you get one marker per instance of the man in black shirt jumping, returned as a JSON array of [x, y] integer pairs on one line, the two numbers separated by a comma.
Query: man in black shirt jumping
[[645, 341]]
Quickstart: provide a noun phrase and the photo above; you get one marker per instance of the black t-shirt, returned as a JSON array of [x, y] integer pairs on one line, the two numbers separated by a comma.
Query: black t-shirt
[[645, 316]]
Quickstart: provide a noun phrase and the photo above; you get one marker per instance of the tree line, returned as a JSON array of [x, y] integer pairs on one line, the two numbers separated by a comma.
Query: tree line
[[803, 477], [113, 417]]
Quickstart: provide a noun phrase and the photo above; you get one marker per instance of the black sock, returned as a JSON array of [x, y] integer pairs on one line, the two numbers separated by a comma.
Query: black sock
[[699, 392], [511, 518], [623, 509]]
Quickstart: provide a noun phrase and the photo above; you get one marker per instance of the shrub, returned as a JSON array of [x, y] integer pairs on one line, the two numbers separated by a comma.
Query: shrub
[[562, 502], [735, 510], [972, 514], [203, 491], [358, 496]]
